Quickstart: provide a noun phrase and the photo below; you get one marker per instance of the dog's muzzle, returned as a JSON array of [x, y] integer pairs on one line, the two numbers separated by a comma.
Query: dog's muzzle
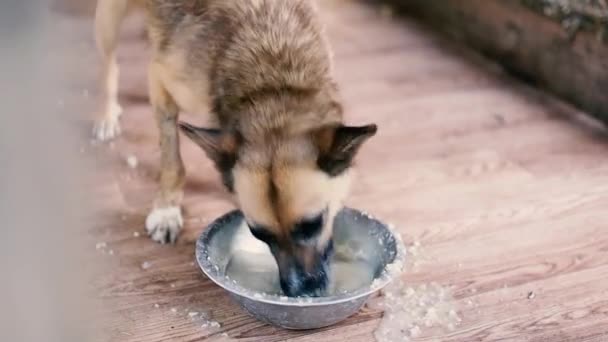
[[299, 281]]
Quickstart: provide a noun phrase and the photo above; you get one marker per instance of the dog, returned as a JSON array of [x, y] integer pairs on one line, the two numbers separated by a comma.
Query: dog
[[262, 71]]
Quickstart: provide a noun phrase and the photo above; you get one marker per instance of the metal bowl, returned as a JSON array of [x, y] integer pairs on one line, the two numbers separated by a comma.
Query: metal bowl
[[384, 253]]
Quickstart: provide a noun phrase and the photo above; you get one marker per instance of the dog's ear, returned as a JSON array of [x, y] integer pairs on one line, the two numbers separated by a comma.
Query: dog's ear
[[220, 147], [338, 146]]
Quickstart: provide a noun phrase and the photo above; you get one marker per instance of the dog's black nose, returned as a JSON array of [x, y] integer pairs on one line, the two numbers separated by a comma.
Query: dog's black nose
[[300, 284]]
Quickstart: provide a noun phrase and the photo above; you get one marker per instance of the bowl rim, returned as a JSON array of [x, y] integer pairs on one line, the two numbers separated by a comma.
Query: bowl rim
[[212, 271]]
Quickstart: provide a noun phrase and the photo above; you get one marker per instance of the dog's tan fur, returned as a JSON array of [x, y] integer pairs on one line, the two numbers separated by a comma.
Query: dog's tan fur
[[262, 69]]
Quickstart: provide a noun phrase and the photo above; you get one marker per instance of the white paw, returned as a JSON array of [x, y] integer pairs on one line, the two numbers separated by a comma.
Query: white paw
[[164, 224], [108, 128]]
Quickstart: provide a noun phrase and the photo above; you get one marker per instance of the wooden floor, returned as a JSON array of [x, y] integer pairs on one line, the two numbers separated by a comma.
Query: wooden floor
[[505, 187]]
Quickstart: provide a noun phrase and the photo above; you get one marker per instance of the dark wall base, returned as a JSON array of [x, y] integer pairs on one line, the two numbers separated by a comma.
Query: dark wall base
[[573, 65]]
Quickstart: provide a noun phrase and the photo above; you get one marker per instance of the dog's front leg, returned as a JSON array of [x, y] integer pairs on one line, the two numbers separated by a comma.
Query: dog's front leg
[[108, 17], [164, 222]]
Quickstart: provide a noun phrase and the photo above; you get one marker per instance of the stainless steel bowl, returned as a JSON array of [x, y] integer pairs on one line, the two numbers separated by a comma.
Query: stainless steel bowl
[[382, 250]]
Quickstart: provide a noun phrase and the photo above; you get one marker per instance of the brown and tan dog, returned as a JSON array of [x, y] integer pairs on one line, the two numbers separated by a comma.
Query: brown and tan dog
[[262, 69]]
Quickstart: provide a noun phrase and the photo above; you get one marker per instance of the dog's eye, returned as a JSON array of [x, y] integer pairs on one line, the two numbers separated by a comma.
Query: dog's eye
[[307, 228], [262, 234]]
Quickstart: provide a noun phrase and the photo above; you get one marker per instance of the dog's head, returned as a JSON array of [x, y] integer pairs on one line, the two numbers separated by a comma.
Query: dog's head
[[289, 189]]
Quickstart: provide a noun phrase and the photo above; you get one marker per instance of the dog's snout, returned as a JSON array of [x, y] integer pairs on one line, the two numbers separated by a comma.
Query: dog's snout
[[298, 283], [306, 277]]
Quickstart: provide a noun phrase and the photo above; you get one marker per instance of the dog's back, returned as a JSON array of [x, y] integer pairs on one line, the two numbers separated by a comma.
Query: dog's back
[[243, 48]]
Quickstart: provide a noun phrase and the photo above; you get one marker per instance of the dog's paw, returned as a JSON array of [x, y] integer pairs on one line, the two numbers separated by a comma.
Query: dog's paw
[[108, 128], [164, 224]]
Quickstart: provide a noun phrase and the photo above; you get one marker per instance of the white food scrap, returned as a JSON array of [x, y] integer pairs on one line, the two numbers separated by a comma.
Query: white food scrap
[[132, 161], [409, 309]]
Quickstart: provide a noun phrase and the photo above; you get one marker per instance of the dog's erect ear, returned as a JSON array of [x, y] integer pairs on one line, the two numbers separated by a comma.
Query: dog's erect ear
[[220, 147], [338, 146]]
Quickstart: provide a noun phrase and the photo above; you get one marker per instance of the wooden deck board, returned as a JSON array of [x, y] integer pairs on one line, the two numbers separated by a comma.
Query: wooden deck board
[[503, 186]]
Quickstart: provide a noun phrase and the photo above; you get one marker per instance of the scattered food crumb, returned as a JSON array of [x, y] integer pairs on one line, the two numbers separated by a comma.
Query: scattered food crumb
[[111, 252], [416, 254], [531, 295], [211, 324], [145, 265], [172, 286], [415, 331], [132, 161], [452, 313], [192, 263], [156, 305], [192, 314], [100, 245], [174, 310], [136, 234], [409, 308]]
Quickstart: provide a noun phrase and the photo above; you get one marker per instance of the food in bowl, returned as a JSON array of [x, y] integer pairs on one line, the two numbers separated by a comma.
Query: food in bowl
[[252, 266]]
